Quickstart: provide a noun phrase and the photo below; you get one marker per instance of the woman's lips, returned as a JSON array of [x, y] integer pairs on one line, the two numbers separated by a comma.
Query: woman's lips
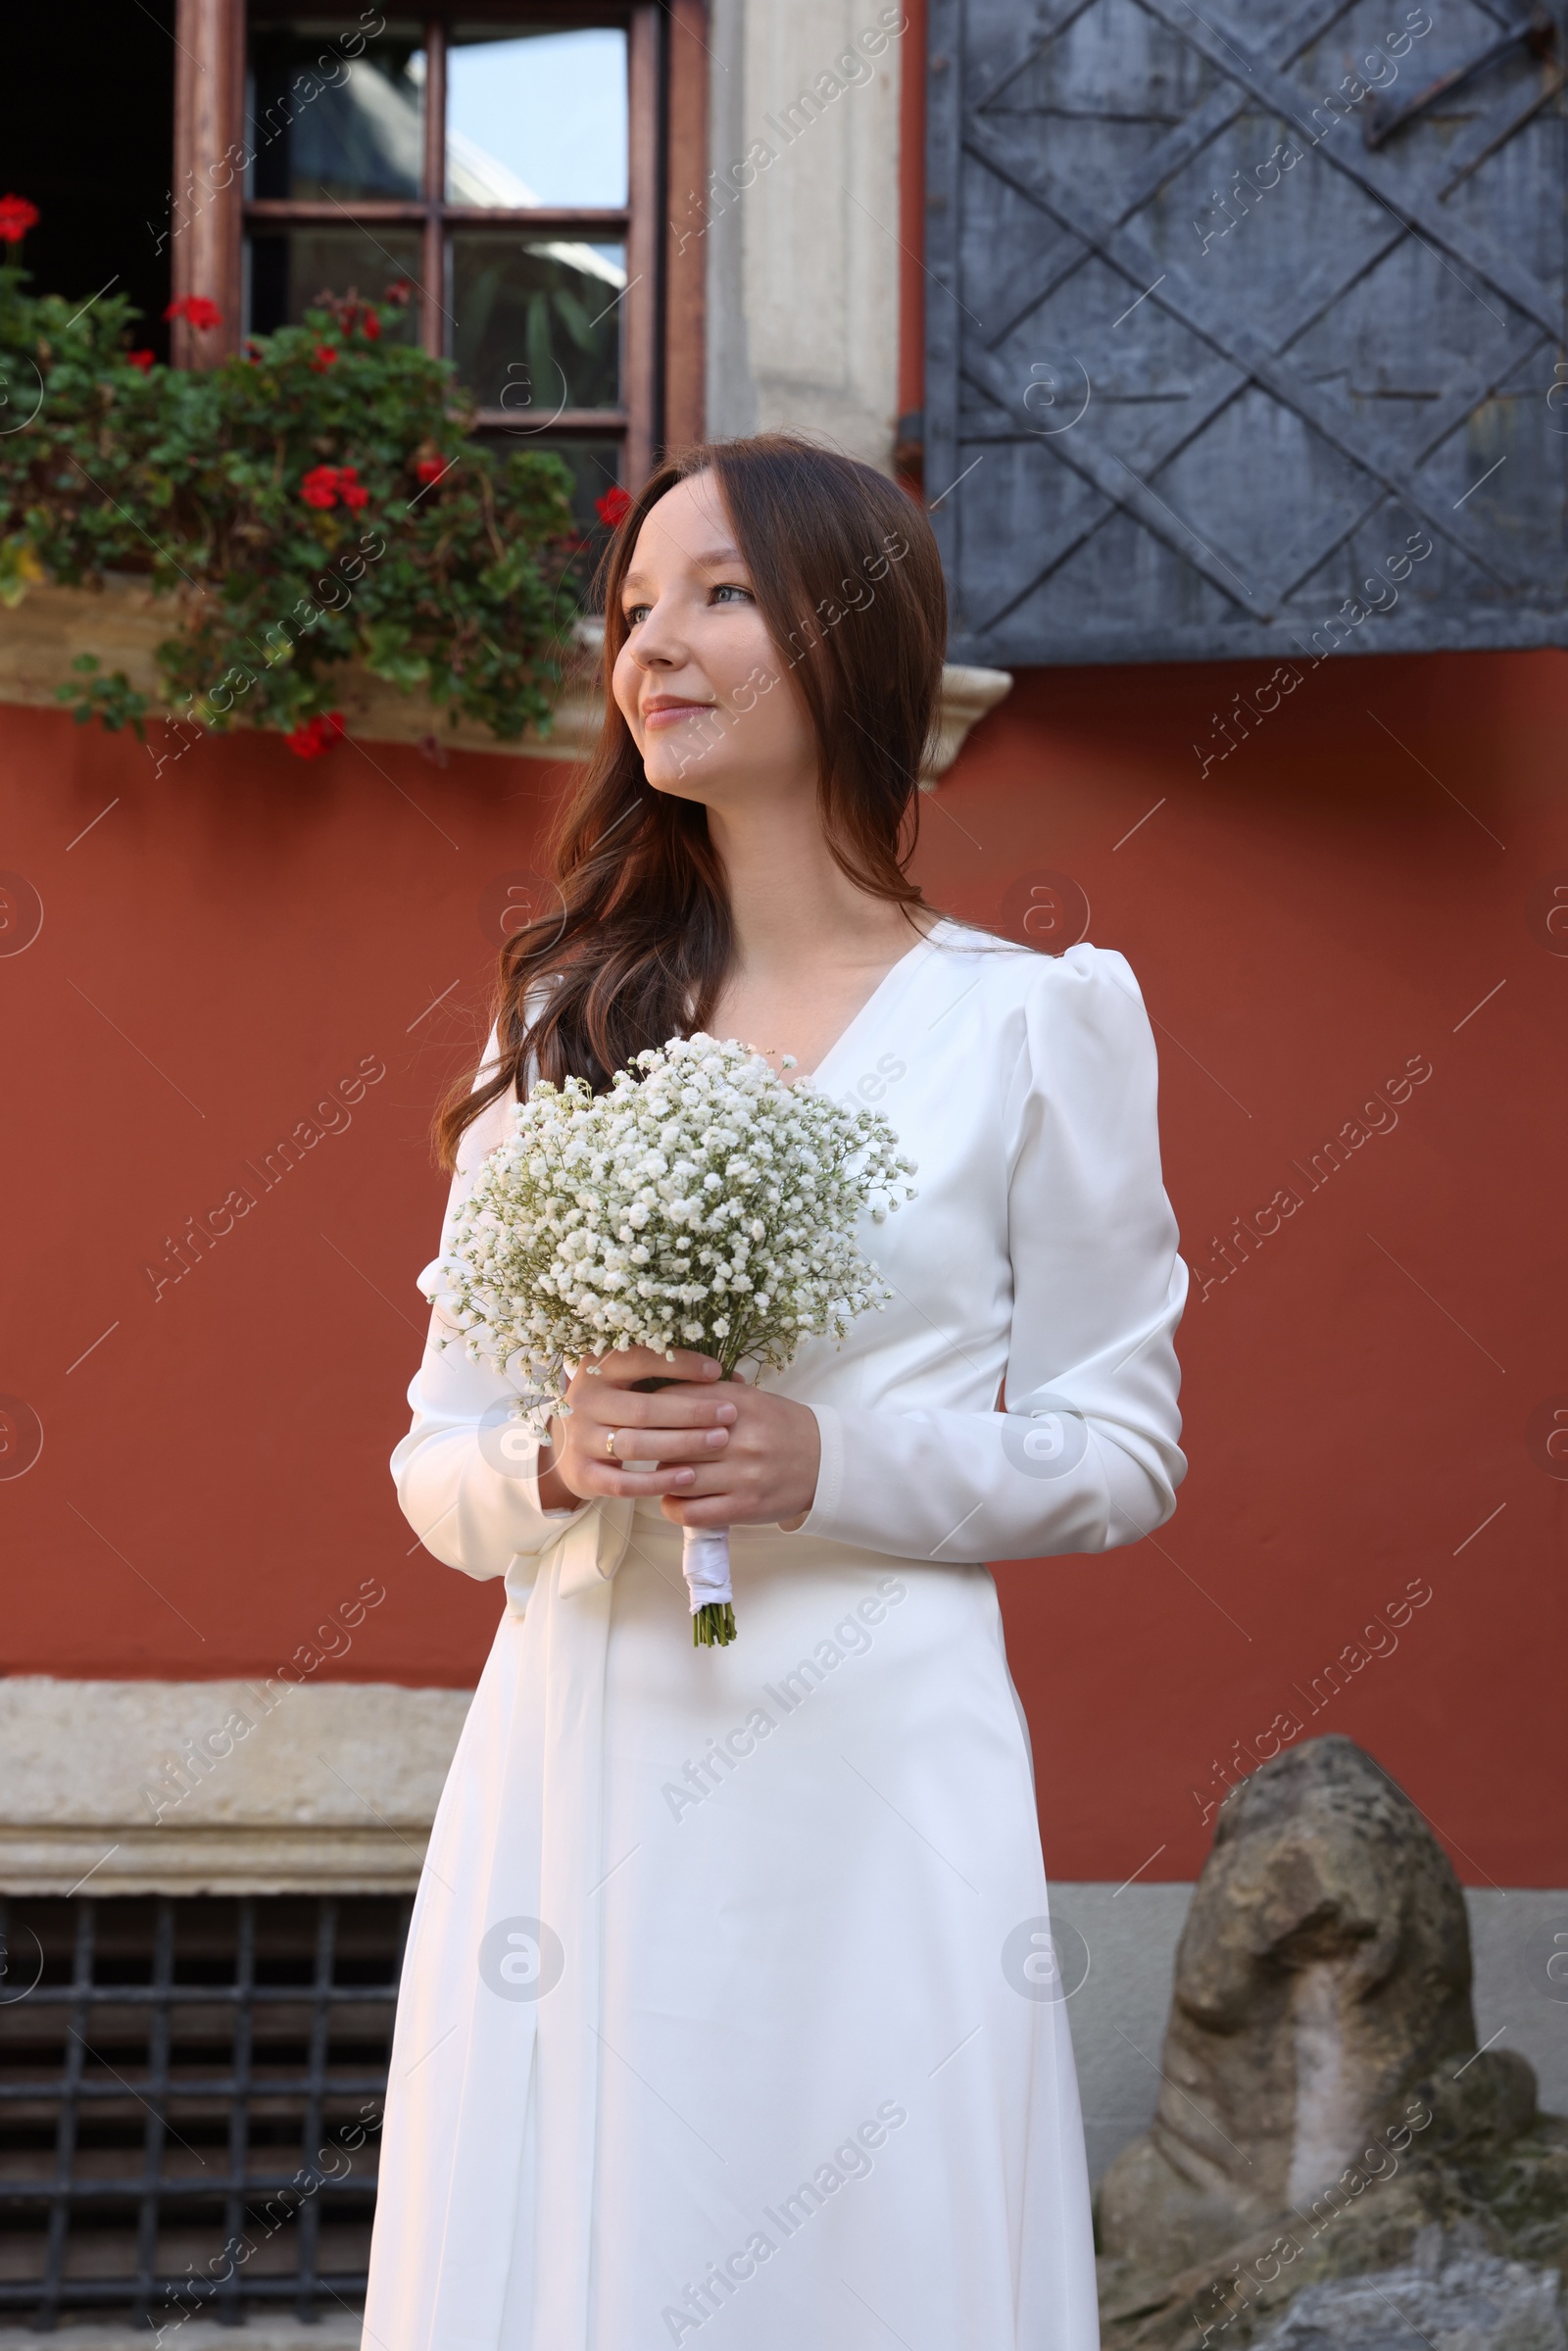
[[670, 714]]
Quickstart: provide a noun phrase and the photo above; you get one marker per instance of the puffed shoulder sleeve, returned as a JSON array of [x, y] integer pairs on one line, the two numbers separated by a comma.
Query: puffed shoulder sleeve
[[1085, 1455], [466, 1474]]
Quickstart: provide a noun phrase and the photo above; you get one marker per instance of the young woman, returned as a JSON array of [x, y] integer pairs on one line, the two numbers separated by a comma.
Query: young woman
[[730, 2011]]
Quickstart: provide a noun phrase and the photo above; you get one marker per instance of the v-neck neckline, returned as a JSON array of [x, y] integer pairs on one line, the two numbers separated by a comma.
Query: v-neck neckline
[[915, 954]]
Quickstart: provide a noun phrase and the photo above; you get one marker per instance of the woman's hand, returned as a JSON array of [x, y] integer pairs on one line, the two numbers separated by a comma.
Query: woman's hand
[[765, 1472], [728, 1453], [607, 1426]]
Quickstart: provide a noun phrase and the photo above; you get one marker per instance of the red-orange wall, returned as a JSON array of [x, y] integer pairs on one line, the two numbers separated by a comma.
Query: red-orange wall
[[1337, 898], [233, 937]]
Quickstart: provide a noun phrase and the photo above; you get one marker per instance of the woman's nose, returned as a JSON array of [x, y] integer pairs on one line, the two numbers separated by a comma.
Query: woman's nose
[[657, 644]]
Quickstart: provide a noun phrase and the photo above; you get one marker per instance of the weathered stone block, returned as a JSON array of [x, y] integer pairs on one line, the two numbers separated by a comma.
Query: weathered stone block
[[1472, 2302]]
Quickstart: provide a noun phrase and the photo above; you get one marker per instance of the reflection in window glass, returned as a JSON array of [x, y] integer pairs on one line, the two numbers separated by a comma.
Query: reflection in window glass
[[538, 118], [289, 268], [594, 466], [538, 321], [322, 124]]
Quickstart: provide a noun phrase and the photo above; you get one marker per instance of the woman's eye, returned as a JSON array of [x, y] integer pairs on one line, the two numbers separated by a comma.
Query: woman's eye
[[732, 588], [636, 613]]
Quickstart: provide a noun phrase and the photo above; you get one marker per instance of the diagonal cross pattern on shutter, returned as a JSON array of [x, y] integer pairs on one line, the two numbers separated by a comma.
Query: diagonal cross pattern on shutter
[[1170, 419]]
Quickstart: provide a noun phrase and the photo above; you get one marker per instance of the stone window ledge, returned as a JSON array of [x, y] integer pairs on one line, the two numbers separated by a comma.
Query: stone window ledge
[[221, 1787]]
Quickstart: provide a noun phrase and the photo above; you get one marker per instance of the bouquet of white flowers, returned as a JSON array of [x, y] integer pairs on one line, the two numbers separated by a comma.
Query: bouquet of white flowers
[[700, 1203]]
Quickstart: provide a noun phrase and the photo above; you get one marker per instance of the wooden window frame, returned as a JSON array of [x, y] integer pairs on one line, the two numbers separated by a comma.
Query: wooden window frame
[[662, 350]]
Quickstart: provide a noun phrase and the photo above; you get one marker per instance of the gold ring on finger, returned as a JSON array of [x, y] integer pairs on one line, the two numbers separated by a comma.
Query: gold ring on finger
[[610, 1441]]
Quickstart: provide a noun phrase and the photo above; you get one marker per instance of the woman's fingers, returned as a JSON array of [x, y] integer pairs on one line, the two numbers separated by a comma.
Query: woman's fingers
[[604, 1477], [686, 1407], [601, 1402], [621, 1370], [651, 1445]]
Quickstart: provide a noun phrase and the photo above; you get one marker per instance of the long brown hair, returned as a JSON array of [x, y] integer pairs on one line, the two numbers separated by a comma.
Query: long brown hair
[[847, 577]]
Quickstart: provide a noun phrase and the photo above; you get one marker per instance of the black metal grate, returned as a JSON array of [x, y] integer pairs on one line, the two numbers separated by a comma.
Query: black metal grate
[[190, 2096]]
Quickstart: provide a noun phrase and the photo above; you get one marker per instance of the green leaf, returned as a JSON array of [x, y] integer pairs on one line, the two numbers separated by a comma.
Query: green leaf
[[405, 670]]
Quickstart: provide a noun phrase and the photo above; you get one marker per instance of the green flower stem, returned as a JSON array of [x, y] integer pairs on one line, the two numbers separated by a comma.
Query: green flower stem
[[714, 1626]]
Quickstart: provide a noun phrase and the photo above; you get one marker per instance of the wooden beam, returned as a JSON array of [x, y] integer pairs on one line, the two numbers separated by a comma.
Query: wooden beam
[[600, 223], [686, 246], [433, 288], [209, 177], [639, 344]]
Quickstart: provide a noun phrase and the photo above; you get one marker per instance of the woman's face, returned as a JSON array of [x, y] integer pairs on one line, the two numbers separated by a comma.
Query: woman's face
[[700, 682]]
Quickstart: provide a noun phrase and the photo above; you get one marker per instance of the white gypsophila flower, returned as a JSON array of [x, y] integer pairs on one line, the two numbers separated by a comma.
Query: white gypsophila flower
[[700, 1203]]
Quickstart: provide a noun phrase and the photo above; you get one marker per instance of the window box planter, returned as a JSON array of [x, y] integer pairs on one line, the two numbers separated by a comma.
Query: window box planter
[[124, 622]]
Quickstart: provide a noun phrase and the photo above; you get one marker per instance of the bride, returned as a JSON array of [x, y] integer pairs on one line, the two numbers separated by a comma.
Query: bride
[[730, 2013]]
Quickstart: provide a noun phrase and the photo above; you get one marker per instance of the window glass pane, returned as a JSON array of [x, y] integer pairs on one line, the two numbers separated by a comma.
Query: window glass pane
[[538, 321], [536, 116], [289, 268], [321, 123]]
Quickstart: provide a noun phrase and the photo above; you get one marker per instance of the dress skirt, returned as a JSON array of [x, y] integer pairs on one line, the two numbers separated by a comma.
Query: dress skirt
[[728, 2015]]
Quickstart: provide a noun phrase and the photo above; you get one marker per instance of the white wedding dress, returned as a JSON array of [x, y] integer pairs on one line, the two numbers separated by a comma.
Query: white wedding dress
[[729, 2016]]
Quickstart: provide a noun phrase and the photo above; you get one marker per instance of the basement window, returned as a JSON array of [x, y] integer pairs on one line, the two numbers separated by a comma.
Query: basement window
[[192, 2094]]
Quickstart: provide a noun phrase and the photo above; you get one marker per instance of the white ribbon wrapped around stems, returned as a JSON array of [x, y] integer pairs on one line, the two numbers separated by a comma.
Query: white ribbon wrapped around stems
[[704, 1563]]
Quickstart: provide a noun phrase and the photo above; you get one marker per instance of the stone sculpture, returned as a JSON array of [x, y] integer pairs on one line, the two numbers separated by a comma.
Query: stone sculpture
[[1323, 2101], [1324, 1966]]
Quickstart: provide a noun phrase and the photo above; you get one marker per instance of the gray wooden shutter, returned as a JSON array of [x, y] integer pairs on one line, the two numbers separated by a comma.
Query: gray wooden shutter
[[1222, 358]]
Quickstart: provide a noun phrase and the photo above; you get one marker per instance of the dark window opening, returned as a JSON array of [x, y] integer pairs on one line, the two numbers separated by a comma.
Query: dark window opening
[[88, 134]]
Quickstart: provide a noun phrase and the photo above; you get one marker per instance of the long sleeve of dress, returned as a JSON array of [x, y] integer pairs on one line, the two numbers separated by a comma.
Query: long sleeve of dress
[[467, 1476], [1085, 1456]]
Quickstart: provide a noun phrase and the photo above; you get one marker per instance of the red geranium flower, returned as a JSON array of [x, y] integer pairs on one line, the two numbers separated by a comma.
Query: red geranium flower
[[196, 310], [319, 487], [325, 485], [371, 325], [144, 359], [323, 358], [16, 217], [429, 468], [317, 734], [612, 505]]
